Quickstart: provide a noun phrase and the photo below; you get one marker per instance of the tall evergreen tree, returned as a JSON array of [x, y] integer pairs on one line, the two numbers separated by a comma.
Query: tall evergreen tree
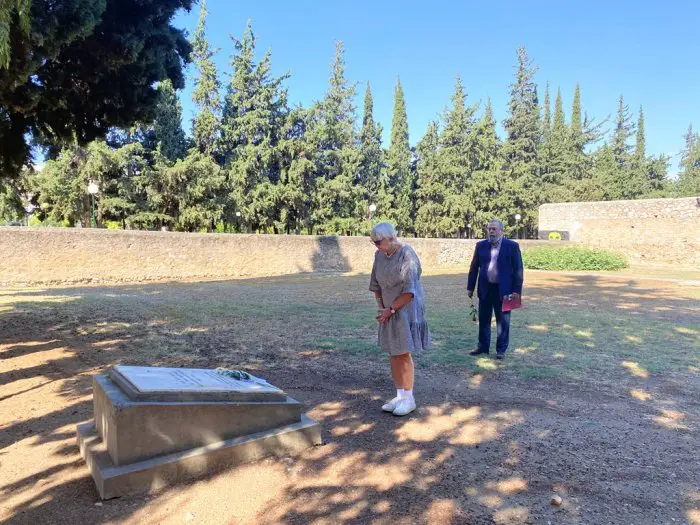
[[254, 115], [401, 177], [167, 126], [79, 68], [297, 174], [689, 176], [372, 176], [577, 168], [191, 188], [486, 176], [456, 160], [640, 149], [432, 218], [558, 161], [11, 12], [624, 130], [206, 89], [521, 193], [338, 206], [547, 119]]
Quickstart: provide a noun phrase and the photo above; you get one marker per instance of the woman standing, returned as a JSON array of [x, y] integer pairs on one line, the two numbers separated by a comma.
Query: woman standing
[[403, 328]]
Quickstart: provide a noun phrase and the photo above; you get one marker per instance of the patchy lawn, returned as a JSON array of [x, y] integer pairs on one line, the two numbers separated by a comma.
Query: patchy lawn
[[596, 401]]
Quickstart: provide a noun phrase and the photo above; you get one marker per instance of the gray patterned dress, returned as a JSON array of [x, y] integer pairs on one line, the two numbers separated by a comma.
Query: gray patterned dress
[[407, 330]]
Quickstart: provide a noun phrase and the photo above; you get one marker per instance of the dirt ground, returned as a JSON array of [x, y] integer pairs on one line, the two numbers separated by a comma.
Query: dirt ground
[[598, 402]]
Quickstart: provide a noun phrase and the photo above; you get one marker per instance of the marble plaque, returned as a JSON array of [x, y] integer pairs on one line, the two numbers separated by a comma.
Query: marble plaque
[[145, 383]]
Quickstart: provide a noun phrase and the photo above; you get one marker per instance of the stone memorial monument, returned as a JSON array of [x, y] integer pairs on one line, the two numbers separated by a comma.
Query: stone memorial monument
[[154, 427]]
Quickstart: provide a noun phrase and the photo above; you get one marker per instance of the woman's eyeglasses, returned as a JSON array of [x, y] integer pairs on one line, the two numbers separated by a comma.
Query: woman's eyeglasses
[[376, 243]]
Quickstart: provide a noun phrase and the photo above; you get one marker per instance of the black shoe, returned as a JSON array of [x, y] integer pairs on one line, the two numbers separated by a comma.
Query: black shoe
[[478, 351], [501, 356]]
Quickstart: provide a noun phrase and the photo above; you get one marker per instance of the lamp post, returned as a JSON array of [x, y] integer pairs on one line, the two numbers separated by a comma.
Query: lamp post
[[93, 189], [517, 225], [238, 219], [370, 210]]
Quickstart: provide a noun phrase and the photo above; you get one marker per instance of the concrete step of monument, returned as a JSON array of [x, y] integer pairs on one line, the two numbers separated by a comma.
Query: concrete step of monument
[[137, 430], [156, 473]]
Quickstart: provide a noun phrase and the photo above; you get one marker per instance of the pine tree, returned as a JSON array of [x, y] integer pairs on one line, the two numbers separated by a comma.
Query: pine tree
[[547, 120], [640, 149], [624, 130], [401, 177], [206, 91], [372, 176], [486, 176], [522, 191], [689, 176], [193, 187], [431, 216], [338, 205], [10, 9], [558, 150], [297, 173], [254, 115], [79, 68], [456, 161], [167, 127], [577, 161], [640, 176]]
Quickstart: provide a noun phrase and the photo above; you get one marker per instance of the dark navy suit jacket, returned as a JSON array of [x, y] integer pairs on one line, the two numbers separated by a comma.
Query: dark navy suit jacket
[[510, 268]]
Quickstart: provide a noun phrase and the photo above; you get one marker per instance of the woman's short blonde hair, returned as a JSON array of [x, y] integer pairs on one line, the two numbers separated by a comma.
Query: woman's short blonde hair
[[383, 230]]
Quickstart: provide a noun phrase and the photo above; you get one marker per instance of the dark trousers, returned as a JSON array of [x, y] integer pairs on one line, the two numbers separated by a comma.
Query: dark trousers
[[492, 303]]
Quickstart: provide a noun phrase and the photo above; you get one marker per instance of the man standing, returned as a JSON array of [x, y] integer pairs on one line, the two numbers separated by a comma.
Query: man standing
[[498, 267]]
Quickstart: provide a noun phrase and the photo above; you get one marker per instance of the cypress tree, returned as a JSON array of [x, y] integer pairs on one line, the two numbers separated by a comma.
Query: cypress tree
[[338, 204], [167, 126], [640, 149], [689, 176], [431, 216], [206, 89], [372, 176], [577, 140], [558, 147], [624, 129], [455, 157], [547, 121], [522, 186], [10, 9], [486, 177], [254, 115], [401, 177]]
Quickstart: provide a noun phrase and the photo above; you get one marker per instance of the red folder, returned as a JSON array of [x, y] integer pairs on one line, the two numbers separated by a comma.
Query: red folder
[[511, 304]]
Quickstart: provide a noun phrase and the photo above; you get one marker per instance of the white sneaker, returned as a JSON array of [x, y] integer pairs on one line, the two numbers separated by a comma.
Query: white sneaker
[[390, 406], [405, 406]]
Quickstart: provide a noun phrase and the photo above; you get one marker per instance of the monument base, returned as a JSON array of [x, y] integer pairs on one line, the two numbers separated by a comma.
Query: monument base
[[152, 474]]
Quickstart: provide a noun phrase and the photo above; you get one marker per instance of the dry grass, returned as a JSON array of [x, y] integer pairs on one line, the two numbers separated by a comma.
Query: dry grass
[[601, 382]]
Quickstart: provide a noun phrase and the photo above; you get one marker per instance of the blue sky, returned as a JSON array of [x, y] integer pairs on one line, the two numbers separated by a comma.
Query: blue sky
[[646, 51]]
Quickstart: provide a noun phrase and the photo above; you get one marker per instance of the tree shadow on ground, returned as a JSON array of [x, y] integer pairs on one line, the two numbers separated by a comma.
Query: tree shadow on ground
[[485, 447]]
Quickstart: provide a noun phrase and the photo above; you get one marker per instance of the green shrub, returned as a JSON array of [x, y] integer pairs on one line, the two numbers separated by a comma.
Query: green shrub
[[546, 258], [36, 222], [113, 225]]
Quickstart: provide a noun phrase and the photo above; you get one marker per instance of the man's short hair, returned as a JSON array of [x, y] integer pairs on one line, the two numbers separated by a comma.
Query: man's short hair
[[496, 221]]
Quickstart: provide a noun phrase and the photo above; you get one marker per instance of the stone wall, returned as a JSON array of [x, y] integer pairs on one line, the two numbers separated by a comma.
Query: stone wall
[[65, 255], [653, 230]]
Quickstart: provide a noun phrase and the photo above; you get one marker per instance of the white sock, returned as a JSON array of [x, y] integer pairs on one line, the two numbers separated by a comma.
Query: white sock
[[408, 394], [400, 393]]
